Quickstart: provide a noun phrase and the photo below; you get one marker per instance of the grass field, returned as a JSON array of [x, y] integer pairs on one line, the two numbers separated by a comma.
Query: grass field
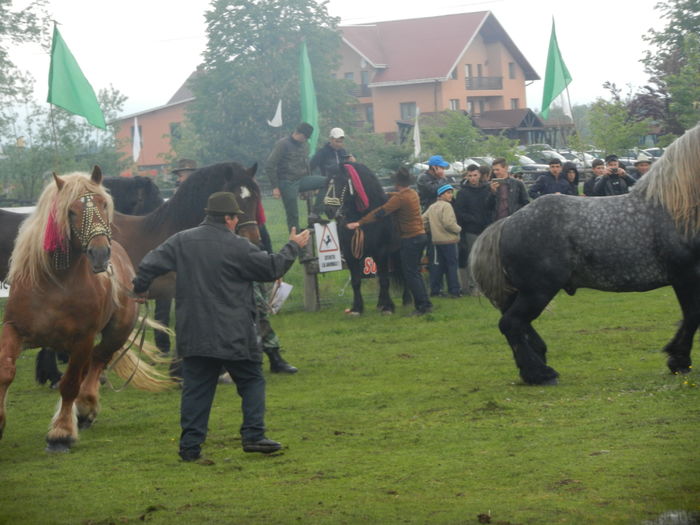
[[393, 420]]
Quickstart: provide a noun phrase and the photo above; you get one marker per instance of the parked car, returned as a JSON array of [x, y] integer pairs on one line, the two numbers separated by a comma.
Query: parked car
[[545, 155], [530, 169], [654, 153]]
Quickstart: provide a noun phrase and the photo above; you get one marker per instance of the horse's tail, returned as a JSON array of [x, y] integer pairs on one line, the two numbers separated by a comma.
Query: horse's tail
[[487, 268], [132, 366]]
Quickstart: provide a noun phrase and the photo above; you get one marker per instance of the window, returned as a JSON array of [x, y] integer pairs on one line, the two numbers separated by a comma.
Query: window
[[514, 103], [454, 104], [511, 70], [482, 106], [369, 114], [349, 76], [470, 107], [468, 70], [453, 75], [408, 110], [479, 71], [365, 77]]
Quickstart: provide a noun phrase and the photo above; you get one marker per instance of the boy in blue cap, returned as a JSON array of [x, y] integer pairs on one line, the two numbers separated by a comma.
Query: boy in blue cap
[[440, 220]]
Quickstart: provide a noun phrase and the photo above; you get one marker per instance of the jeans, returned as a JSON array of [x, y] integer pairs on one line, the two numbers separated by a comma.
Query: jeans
[[200, 375], [447, 264], [289, 191], [411, 251]]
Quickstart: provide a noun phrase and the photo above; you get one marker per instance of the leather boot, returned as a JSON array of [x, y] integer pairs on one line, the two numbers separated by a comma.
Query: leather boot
[[277, 364]]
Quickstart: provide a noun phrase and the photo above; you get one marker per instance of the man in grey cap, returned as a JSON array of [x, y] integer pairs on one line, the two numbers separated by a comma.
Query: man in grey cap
[[216, 316]]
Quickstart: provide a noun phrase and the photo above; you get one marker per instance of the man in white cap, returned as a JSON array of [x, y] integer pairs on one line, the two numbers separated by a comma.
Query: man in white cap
[[327, 160]]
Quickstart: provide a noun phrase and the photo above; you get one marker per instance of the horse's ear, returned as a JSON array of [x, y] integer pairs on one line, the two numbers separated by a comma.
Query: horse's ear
[[96, 175], [251, 171], [59, 181]]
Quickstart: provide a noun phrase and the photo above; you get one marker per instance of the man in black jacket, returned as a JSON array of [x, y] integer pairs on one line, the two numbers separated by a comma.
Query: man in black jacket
[[216, 317], [614, 181], [327, 160]]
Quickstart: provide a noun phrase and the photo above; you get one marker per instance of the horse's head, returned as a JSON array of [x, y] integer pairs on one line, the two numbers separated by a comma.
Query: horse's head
[[88, 209], [353, 192], [148, 196], [247, 193]]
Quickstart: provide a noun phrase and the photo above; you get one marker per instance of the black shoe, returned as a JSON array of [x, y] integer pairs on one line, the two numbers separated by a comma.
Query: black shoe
[[190, 455], [277, 363], [264, 445], [455, 295]]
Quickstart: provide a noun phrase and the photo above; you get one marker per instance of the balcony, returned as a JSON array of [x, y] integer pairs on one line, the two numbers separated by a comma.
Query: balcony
[[360, 90], [483, 83]]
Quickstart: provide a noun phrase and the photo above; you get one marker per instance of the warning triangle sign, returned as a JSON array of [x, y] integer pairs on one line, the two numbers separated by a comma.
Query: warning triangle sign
[[327, 242]]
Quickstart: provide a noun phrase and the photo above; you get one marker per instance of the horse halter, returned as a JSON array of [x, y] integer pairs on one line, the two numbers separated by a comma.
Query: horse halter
[[92, 225]]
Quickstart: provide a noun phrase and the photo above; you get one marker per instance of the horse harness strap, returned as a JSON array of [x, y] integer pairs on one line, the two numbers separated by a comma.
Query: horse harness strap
[[92, 225]]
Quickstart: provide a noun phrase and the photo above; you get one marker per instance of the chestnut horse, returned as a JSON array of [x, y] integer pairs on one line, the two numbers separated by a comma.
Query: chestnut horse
[[69, 283]]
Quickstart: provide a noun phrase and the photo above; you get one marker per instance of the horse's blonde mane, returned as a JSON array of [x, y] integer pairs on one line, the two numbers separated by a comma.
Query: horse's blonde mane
[[29, 262], [674, 182]]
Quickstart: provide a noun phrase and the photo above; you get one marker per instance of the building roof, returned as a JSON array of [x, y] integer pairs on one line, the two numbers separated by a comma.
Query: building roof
[[425, 49], [508, 119], [184, 93]]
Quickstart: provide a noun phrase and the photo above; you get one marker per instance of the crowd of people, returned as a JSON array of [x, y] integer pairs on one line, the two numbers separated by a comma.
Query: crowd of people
[[221, 314]]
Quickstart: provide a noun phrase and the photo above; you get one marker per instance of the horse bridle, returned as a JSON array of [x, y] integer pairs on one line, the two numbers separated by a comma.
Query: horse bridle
[[92, 225]]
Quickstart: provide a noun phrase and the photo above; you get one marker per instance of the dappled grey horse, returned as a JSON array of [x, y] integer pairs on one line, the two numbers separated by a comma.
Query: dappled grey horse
[[636, 242]]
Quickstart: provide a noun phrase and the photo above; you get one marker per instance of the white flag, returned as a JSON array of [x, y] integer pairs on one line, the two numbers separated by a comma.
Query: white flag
[[565, 104], [276, 121], [136, 146], [416, 136]]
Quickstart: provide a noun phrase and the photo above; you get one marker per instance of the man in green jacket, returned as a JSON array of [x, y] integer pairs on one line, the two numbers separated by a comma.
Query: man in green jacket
[[287, 164], [216, 317]]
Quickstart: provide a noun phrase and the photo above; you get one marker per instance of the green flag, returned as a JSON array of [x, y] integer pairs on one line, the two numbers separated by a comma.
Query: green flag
[[309, 109], [68, 87], [557, 77]]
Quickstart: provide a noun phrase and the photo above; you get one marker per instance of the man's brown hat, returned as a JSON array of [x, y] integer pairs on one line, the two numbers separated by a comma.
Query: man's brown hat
[[185, 165], [223, 203]]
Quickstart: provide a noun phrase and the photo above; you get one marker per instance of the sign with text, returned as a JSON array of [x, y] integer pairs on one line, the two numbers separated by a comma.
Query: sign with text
[[327, 247]]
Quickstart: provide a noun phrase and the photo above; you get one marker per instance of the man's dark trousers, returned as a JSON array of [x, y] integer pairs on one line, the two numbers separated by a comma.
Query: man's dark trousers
[[411, 252], [200, 376], [289, 191]]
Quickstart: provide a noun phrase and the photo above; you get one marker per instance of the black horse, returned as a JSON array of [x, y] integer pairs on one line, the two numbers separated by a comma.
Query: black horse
[[635, 242], [378, 240], [132, 196], [136, 195]]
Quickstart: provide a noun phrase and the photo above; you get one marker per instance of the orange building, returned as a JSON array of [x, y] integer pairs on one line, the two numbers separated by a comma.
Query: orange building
[[461, 62], [156, 126], [452, 62]]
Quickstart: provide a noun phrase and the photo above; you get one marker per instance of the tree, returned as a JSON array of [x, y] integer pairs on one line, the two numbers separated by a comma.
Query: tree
[[55, 140], [17, 27], [450, 134], [250, 63], [669, 57], [611, 127], [684, 87]]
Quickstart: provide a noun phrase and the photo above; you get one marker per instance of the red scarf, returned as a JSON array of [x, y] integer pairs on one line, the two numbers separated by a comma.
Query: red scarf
[[360, 196]]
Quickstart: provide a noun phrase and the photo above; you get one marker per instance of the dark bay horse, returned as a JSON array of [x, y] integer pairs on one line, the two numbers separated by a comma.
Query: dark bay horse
[[635, 242], [379, 240], [69, 284], [185, 209]]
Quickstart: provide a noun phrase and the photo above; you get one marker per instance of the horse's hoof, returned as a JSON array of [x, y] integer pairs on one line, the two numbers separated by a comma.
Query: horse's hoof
[[85, 422], [351, 313], [681, 371], [550, 382], [59, 445]]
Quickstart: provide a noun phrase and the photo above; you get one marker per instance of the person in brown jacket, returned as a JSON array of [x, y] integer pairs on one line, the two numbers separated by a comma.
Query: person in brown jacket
[[405, 203], [440, 220]]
